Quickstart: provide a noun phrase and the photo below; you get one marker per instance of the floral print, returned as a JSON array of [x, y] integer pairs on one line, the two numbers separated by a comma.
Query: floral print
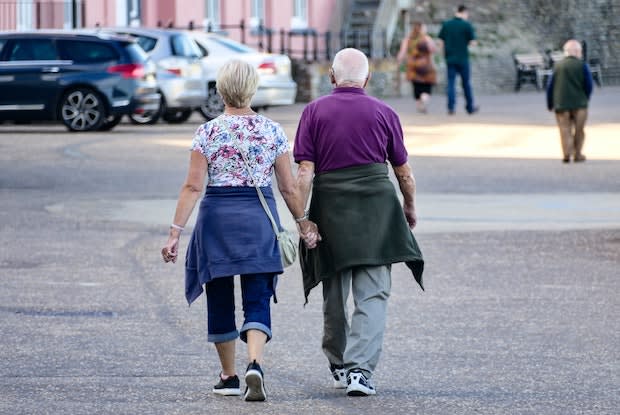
[[261, 139]]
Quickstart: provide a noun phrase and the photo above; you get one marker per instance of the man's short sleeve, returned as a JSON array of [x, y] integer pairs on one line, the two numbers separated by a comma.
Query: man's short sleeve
[[304, 143], [396, 150]]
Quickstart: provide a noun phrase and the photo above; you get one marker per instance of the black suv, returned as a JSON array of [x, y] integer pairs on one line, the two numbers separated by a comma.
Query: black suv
[[87, 81]]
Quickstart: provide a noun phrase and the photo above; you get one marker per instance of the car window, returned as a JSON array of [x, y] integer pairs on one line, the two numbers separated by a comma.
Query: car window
[[32, 50], [84, 51], [182, 45], [2, 42], [232, 45], [136, 53], [147, 43]]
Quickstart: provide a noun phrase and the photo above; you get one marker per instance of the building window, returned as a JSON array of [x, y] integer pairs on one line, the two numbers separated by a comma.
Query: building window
[[257, 13], [72, 14], [25, 13], [212, 14], [300, 14], [134, 15]]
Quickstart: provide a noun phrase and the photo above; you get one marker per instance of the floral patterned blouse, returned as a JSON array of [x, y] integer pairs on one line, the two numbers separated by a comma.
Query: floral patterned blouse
[[261, 139]]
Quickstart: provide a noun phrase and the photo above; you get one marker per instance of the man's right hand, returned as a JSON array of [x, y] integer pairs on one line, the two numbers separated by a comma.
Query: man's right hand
[[412, 218]]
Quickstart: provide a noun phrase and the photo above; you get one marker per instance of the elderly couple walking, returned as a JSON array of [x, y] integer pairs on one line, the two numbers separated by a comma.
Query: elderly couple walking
[[354, 229]]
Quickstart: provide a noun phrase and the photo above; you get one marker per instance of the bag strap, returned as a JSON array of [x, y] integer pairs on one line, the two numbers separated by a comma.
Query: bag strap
[[246, 162]]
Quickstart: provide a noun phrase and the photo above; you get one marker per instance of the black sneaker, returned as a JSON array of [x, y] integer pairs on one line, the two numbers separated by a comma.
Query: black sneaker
[[228, 387], [359, 385], [255, 383]]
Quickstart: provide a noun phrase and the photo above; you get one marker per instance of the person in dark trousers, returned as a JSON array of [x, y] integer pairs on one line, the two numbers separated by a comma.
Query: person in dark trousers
[[455, 36], [568, 93], [343, 145]]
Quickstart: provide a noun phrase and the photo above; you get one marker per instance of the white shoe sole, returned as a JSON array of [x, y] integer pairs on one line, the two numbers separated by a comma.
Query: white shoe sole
[[255, 386], [227, 392]]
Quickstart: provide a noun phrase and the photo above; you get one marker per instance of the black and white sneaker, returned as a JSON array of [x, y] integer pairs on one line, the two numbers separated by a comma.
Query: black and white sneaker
[[340, 376], [359, 385], [228, 387], [255, 383]]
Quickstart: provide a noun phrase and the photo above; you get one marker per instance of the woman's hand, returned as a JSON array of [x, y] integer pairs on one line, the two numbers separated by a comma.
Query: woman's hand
[[170, 251], [309, 233]]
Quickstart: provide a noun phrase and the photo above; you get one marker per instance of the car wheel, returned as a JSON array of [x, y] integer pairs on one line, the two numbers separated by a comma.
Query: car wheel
[[110, 122], [177, 117], [148, 117], [82, 109], [214, 106]]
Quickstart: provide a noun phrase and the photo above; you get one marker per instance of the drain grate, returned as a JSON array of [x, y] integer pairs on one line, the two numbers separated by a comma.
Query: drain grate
[[60, 313]]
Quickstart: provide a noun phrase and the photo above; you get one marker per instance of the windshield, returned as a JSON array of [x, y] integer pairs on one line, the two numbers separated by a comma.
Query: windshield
[[220, 44], [182, 45]]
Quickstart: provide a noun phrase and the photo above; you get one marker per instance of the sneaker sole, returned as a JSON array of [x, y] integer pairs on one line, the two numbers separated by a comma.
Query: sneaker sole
[[255, 387], [361, 392], [227, 392]]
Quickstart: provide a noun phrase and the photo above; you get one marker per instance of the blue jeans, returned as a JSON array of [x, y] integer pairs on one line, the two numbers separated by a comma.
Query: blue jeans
[[256, 292], [463, 71]]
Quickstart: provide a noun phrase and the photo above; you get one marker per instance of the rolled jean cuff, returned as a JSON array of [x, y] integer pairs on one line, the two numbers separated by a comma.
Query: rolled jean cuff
[[254, 326], [222, 337]]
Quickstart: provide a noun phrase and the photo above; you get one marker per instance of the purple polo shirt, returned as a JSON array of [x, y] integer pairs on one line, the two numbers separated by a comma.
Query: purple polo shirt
[[349, 128]]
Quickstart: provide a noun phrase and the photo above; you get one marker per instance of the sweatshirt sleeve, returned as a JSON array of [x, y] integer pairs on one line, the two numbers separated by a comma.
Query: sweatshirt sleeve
[[550, 93], [587, 76]]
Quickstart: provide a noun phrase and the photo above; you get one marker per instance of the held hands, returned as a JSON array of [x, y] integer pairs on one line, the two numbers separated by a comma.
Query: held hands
[[309, 233]]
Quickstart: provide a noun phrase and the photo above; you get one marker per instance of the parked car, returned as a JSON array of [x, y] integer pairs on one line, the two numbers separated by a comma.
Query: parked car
[[86, 81], [180, 72], [276, 85]]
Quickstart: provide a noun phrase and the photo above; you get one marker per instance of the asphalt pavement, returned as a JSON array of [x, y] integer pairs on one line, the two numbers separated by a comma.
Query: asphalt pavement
[[522, 252]]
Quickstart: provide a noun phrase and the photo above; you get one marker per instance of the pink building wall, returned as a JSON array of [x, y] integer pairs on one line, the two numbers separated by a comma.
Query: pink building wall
[[106, 13]]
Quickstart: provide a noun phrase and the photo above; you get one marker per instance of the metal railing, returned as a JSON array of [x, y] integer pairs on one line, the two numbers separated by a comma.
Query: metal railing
[[313, 46]]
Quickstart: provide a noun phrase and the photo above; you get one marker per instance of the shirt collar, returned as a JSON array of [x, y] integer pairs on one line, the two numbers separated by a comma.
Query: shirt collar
[[348, 89]]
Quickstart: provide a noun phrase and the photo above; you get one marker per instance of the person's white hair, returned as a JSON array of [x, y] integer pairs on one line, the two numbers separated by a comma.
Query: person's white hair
[[350, 65], [237, 82], [572, 48]]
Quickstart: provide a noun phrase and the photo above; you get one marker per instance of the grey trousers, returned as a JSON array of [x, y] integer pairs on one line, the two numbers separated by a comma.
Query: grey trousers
[[358, 345]]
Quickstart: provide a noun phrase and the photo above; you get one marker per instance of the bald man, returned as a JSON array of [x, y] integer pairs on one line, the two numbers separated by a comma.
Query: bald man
[[343, 145], [568, 94]]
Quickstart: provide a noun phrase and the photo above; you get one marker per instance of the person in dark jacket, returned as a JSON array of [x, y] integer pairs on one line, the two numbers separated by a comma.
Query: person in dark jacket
[[343, 144], [455, 36], [568, 93]]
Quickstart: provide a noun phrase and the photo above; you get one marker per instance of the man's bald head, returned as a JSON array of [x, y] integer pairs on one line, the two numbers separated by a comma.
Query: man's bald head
[[572, 48], [350, 66]]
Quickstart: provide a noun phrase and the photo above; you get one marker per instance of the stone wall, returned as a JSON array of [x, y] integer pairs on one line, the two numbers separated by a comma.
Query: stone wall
[[503, 27]]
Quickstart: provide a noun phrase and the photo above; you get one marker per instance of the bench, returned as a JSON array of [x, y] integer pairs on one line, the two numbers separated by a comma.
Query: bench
[[594, 65], [531, 68]]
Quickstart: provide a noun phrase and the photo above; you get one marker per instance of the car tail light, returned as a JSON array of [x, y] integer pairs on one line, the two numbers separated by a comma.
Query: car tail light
[[175, 71], [267, 68], [129, 70]]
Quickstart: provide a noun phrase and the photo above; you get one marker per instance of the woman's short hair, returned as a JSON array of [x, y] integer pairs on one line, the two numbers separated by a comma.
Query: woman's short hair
[[237, 82]]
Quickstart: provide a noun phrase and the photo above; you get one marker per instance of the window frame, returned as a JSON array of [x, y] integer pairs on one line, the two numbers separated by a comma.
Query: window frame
[[299, 19], [213, 14]]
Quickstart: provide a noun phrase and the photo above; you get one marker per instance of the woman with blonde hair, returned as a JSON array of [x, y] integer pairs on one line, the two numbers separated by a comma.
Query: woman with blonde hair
[[417, 50], [233, 234]]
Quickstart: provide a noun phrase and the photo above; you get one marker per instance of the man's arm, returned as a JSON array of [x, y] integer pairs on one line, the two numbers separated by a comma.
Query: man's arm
[[305, 174], [406, 182]]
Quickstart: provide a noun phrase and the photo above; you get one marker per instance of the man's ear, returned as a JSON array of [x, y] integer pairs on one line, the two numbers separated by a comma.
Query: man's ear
[[332, 77], [367, 79]]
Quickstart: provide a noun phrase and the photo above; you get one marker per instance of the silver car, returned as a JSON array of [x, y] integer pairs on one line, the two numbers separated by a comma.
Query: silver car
[[276, 85], [180, 72]]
